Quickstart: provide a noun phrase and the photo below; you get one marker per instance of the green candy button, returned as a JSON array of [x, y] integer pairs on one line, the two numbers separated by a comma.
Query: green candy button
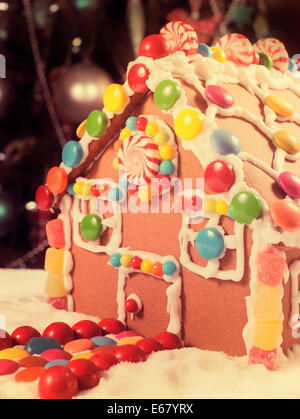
[[245, 206], [266, 60], [91, 227], [166, 94], [96, 123]]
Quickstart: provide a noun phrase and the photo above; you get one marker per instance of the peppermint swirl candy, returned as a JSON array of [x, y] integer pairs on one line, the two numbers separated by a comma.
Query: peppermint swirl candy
[[138, 157], [237, 48], [181, 36], [276, 50]]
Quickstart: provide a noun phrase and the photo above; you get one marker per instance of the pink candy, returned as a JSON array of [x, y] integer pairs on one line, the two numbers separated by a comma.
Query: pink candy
[[55, 233], [54, 354], [267, 358], [219, 96], [290, 183], [270, 268], [7, 366], [60, 303]]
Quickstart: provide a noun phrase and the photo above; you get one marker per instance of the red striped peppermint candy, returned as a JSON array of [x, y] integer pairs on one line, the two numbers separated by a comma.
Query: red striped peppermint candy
[[237, 48], [276, 50], [181, 36], [138, 157]]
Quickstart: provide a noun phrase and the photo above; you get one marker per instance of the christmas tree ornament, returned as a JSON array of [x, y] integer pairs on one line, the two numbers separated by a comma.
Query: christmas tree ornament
[[241, 15]]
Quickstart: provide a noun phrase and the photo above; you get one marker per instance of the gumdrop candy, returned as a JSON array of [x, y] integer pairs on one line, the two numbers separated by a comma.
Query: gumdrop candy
[[60, 303], [55, 286], [267, 334], [54, 261], [268, 358], [267, 302], [270, 268], [56, 234]]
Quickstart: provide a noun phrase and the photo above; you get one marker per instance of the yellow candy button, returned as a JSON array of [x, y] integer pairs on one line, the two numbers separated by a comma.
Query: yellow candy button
[[115, 98], [14, 354], [144, 194], [55, 286], [130, 340], [116, 163], [209, 205], [218, 54], [188, 124], [78, 188], [86, 189], [146, 266], [161, 138], [280, 105], [83, 355], [287, 142], [166, 152], [267, 334], [54, 261], [267, 303], [222, 207], [81, 129], [151, 129], [125, 133], [125, 260]]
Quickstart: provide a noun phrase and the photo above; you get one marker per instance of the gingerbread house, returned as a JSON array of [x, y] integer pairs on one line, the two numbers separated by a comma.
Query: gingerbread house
[[178, 203]]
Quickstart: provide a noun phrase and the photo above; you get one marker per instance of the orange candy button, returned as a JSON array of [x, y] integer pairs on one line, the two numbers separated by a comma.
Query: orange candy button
[[285, 214], [79, 345], [105, 349], [32, 361], [29, 374], [57, 179]]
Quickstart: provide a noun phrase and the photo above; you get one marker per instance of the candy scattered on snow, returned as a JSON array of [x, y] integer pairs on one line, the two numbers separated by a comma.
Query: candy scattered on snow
[[79, 345], [86, 372], [29, 374], [60, 331], [57, 382], [169, 340], [86, 329], [104, 361], [111, 326], [102, 341]]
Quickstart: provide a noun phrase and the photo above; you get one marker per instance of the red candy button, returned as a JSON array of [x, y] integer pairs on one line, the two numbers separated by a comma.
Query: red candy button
[[219, 176], [129, 353], [131, 306], [141, 123], [154, 46], [23, 334], [149, 345], [44, 198], [8, 366], [86, 372], [169, 340], [86, 329], [103, 360], [5, 340], [54, 354], [135, 262], [60, 331], [58, 382], [111, 326], [137, 77], [57, 179]]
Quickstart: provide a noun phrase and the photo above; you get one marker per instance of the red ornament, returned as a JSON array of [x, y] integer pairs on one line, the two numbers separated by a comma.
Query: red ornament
[[135, 262], [104, 361], [131, 306], [58, 382], [149, 345], [60, 331], [154, 46], [141, 123], [129, 353], [111, 326], [137, 77], [218, 176], [23, 334], [86, 329], [86, 372], [44, 198], [5, 340], [169, 340]]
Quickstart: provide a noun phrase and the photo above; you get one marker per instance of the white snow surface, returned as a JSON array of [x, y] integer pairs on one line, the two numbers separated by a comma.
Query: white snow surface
[[185, 374]]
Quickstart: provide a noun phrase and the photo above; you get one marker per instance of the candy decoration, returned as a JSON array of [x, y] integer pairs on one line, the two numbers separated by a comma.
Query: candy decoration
[[290, 183], [115, 260], [161, 138], [166, 152], [137, 78], [44, 198], [144, 194], [285, 214], [135, 262], [79, 345], [54, 354], [166, 94], [86, 329], [155, 46], [23, 334], [270, 268], [96, 123], [125, 260], [57, 179], [60, 331], [29, 375], [265, 60], [54, 261], [131, 340], [86, 372], [222, 207], [287, 142], [55, 233], [268, 358], [209, 243], [104, 361], [116, 162], [115, 98], [219, 96], [111, 326], [38, 345], [115, 194], [149, 345], [209, 205], [141, 123], [280, 105], [245, 206], [139, 158], [151, 128], [8, 366], [204, 50], [267, 334], [32, 361], [237, 48], [125, 133], [83, 355], [5, 340], [62, 362], [167, 167], [157, 269], [130, 123], [188, 124], [58, 382], [102, 341], [218, 54], [133, 304], [276, 50], [129, 353], [169, 340], [72, 154], [293, 68], [146, 266], [14, 354], [256, 58], [267, 303], [127, 334], [80, 130], [55, 286], [219, 176], [169, 268], [181, 36], [225, 142], [58, 303], [91, 227]]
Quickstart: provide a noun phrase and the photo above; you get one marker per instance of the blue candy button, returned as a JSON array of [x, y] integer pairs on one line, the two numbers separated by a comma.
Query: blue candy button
[[103, 341], [209, 243], [167, 167], [130, 123], [56, 362], [70, 188], [225, 142], [115, 194], [115, 260], [169, 268], [292, 66], [72, 154], [39, 345], [204, 50]]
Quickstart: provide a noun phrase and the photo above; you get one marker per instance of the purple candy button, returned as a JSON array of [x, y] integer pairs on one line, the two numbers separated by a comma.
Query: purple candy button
[[290, 183], [219, 96], [8, 366]]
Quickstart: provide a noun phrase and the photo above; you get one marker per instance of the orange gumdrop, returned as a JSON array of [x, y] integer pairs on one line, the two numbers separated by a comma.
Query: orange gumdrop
[[57, 179], [285, 214]]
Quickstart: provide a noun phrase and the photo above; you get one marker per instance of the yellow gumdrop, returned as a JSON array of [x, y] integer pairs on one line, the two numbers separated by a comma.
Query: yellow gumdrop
[[116, 163], [81, 129], [144, 194], [280, 105], [287, 142], [78, 188], [218, 54], [188, 124], [161, 138], [222, 207], [54, 261], [166, 152], [130, 340], [267, 334], [146, 266], [83, 355], [115, 98], [55, 286], [267, 303], [209, 205], [14, 354], [125, 260], [125, 133], [152, 128]]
